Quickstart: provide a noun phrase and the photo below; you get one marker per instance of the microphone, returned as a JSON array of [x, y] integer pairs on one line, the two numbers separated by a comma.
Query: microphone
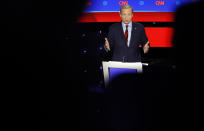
[[123, 58]]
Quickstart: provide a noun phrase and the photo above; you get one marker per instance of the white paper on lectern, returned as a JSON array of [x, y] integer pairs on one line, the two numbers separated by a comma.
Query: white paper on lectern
[[114, 64]]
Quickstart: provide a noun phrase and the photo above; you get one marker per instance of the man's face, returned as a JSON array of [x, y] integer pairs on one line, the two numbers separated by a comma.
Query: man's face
[[126, 15]]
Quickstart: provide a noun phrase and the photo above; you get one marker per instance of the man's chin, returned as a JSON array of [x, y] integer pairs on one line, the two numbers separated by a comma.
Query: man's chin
[[126, 22]]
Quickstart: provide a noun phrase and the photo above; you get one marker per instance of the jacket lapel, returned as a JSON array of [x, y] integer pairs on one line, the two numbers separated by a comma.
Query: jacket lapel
[[132, 33], [122, 33]]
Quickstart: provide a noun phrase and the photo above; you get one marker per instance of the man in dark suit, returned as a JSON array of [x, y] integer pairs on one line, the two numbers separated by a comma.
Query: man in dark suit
[[125, 37]]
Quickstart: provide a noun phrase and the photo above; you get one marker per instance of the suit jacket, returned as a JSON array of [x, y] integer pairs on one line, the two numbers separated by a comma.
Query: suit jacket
[[120, 50]]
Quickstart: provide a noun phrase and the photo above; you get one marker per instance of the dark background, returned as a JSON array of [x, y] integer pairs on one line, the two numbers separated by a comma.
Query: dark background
[[50, 82]]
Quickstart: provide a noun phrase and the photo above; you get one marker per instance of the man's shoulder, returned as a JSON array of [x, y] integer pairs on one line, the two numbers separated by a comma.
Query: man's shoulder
[[115, 25], [137, 24]]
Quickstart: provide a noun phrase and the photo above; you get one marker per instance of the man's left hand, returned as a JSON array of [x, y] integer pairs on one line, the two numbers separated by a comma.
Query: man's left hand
[[146, 47]]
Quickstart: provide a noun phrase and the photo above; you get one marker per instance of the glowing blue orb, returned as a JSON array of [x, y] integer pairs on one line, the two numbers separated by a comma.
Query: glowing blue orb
[[141, 3], [105, 3]]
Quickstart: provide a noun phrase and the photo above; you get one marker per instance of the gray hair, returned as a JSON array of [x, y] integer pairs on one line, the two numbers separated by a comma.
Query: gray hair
[[125, 7]]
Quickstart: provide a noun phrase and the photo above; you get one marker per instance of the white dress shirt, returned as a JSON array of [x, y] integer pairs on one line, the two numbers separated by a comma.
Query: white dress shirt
[[129, 30]]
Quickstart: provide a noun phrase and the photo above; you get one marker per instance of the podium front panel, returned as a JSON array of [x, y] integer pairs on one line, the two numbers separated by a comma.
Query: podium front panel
[[112, 69], [114, 72]]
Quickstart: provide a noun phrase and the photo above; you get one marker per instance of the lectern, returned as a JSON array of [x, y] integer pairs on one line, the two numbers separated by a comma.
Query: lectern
[[112, 69]]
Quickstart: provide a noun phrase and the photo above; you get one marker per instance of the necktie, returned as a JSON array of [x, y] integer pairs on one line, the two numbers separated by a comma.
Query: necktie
[[126, 33]]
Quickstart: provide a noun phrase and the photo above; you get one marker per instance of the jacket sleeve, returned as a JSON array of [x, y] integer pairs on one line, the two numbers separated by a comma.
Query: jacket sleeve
[[111, 38], [143, 37]]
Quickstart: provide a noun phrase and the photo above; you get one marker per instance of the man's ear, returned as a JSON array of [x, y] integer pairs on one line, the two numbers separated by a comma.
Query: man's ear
[[119, 14]]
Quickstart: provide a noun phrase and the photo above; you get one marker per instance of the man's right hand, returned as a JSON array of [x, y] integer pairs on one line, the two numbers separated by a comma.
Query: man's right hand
[[107, 45]]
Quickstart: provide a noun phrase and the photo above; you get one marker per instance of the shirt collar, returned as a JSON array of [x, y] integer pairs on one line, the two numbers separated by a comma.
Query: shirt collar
[[129, 25]]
